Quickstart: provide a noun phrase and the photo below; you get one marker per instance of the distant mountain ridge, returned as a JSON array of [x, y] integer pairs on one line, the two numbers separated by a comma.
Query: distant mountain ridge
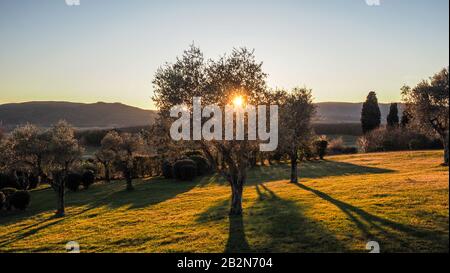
[[117, 115], [348, 112], [81, 115]]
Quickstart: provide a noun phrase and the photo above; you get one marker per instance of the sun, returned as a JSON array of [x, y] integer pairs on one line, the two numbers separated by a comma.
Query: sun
[[238, 101]]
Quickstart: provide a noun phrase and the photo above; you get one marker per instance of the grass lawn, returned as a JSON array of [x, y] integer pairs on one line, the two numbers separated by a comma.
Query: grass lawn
[[399, 199]]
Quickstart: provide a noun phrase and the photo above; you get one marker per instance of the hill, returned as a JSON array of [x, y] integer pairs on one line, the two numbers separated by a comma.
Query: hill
[[117, 115], [81, 115], [346, 112], [398, 199]]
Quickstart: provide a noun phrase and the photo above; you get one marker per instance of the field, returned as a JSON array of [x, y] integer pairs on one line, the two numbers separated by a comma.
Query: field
[[398, 199]]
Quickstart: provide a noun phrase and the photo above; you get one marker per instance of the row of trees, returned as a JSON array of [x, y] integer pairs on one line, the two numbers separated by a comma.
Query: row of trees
[[52, 155], [426, 110]]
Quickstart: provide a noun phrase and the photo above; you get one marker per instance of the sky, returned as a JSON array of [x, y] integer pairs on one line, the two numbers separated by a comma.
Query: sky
[[109, 50]]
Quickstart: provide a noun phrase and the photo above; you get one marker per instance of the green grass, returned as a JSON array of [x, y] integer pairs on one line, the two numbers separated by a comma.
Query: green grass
[[398, 199]]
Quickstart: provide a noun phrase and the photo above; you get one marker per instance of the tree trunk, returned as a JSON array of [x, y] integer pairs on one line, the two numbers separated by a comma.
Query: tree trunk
[[446, 144], [261, 158], [236, 197], [60, 212], [294, 172], [129, 180], [107, 173]]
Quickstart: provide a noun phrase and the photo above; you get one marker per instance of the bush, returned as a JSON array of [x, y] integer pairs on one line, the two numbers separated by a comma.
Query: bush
[[167, 169], [395, 139], [202, 164], [8, 191], [193, 153], [8, 181], [185, 170], [88, 179], [33, 181], [2, 200], [20, 200], [74, 181], [321, 148]]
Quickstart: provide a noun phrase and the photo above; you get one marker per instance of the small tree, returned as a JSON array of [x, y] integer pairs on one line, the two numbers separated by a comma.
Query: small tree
[[295, 129], [321, 148], [428, 104], [64, 151], [392, 118], [129, 148], [30, 145], [370, 114], [107, 154], [7, 155]]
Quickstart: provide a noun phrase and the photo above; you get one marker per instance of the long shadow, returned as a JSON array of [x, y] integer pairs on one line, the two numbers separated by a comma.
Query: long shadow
[[36, 227], [370, 225], [272, 225], [310, 169], [237, 241], [285, 228], [146, 193]]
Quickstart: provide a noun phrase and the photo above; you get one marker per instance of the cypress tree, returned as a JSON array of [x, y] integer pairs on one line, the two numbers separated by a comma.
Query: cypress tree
[[392, 118], [370, 114]]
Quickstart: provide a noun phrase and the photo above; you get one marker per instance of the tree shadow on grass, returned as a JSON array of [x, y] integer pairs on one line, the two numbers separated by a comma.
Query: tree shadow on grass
[[32, 229], [272, 224], [147, 192], [284, 227], [310, 169], [379, 229]]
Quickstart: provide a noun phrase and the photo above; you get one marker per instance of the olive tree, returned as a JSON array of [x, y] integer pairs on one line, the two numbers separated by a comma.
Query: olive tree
[[121, 151], [64, 151], [428, 105], [7, 155], [129, 148], [217, 82], [295, 127], [110, 145], [30, 145]]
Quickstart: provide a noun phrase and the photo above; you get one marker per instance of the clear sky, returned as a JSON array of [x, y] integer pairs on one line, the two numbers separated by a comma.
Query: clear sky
[[109, 50]]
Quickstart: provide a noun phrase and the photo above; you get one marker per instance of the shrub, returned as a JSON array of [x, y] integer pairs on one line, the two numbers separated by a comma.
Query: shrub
[[321, 148], [8, 191], [395, 139], [202, 164], [185, 170], [33, 181], [2, 200], [8, 181], [307, 152], [277, 156], [193, 153], [167, 169], [20, 200], [74, 181], [88, 179]]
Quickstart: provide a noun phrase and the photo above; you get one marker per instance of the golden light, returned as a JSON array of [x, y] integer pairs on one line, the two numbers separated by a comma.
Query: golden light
[[238, 101]]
